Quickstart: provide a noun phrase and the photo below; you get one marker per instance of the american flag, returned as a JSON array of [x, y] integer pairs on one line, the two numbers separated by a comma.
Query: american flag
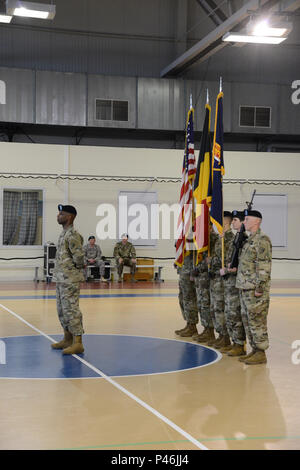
[[186, 192]]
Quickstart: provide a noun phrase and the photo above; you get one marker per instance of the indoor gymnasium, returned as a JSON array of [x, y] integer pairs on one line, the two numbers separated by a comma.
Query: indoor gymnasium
[[149, 221]]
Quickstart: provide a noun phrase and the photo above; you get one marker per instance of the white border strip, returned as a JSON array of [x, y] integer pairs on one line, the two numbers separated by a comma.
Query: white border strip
[[119, 387]]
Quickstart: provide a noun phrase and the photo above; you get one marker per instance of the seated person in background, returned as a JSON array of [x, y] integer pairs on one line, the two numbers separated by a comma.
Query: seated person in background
[[92, 257], [124, 254]]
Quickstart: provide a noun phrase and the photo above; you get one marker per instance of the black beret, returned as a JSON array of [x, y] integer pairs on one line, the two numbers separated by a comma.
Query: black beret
[[68, 209], [253, 213], [238, 215], [91, 237], [227, 214]]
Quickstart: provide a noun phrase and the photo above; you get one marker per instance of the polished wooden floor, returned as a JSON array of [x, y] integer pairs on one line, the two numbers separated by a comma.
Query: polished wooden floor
[[225, 405]]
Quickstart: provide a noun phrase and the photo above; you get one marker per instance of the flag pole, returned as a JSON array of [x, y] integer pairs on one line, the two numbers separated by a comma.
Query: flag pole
[[193, 202], [220, 91], [208, 249]]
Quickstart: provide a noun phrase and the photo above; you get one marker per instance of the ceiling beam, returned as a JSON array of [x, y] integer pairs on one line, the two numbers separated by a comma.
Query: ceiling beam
[[212, 42], [211, 9]]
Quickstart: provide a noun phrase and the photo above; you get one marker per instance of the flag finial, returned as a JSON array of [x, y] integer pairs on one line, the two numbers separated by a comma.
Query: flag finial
[[221, 84], [191, 101], [207, 96]]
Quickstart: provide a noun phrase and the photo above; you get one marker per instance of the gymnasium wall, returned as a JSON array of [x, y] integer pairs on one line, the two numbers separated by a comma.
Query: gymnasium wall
[[87, 195]]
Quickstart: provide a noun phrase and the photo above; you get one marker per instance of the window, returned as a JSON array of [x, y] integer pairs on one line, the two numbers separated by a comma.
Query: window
[[111, 110], [22, 217], [255, 116]]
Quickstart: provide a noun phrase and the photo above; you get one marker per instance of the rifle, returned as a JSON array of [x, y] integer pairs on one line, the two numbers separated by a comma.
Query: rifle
[[240, 238]]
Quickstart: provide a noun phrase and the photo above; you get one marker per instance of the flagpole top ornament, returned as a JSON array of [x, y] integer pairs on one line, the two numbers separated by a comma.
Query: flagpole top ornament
[[191, 101], [207, 96], [221, 84]]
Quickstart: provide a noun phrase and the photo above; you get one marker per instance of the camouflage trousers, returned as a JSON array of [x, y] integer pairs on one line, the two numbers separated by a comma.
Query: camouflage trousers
[[67, 302], [233, 316], [254, 315], [98, 264], [189, 298], [180, 300], [203, 300], [126, 262], [217, 304]]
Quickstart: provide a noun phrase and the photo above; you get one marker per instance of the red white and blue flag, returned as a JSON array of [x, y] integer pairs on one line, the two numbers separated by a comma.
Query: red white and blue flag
[[185, 218]]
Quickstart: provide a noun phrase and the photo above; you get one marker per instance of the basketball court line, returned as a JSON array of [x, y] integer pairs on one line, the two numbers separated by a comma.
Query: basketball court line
[[116, 296], [149, 408], [212, 439]]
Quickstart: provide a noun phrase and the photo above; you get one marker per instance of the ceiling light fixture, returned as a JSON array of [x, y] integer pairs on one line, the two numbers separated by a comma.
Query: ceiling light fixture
[[264, 28], [5, 18], [248, 38], [30, 9]]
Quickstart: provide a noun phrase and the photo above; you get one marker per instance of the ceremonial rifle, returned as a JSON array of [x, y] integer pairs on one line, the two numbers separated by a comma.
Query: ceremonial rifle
[[240, 238]]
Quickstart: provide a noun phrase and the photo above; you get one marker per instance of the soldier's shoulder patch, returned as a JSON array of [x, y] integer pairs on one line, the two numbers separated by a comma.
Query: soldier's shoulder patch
[[265, 238]]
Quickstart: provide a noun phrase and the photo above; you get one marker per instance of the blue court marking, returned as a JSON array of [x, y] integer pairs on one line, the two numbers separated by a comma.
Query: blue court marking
[[32, 357], [107, 296], [82, 296]]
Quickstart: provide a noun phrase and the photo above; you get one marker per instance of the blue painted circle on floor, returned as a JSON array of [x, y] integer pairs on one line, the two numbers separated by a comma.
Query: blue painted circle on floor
[[114, 355]]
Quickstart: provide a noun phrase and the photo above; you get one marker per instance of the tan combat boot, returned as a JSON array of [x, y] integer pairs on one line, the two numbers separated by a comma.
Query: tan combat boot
[[244, 358], [212, 342], [209, 336], [76, 347], [224, 341], [237, 350], [65, 342], [197, 336], [177, 332], [226, 349], [190, 331], [258, 358]]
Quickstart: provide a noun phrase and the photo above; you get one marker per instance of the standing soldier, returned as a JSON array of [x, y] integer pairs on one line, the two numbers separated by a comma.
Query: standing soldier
[[253, 281], [217, 290], [125, 255], [201, 279], [180, 300], [68, 273], [233, 316], [188, 298]]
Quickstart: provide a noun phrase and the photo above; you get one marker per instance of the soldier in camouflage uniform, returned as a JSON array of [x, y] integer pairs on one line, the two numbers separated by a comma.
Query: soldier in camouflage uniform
[[68, 273], [180, 300], [217, 292], [201, 280], [253, 281], [125, 255], [233, 316], [189, 297], [92, 257]]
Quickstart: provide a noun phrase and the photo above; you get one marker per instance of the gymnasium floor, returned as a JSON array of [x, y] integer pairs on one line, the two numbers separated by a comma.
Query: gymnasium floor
[[137, 386]]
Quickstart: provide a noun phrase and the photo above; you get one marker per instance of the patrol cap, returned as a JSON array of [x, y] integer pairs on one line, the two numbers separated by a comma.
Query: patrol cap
[[227, 214], [91, 237], [253, 213], [238, 215], [68, 209]]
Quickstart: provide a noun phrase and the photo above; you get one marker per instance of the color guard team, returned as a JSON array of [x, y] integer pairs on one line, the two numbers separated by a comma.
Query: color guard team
[[231, 299]]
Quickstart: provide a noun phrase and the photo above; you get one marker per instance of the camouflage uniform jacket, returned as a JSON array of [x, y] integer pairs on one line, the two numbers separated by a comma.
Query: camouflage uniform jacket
[[92, 252], [202, 266], [124, 251], [69, 260], [254, 270], [216, 252]]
